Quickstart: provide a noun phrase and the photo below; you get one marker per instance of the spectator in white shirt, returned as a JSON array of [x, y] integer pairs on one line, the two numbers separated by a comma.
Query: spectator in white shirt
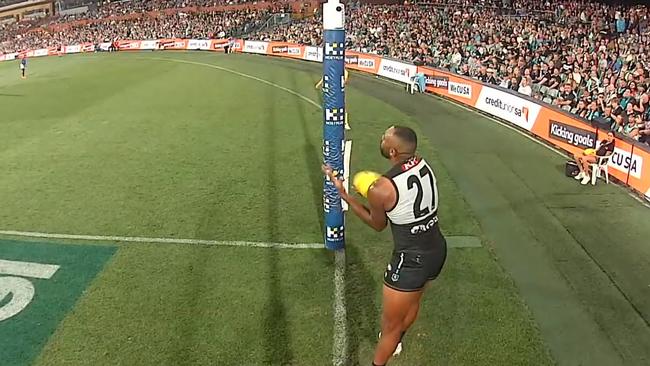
[[524, 87]]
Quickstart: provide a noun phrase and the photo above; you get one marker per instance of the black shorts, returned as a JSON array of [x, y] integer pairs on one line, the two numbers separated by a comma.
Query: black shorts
[[411, 270]]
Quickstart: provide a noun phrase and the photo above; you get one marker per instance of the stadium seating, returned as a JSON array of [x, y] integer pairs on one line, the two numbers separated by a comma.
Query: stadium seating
[[596, 49]]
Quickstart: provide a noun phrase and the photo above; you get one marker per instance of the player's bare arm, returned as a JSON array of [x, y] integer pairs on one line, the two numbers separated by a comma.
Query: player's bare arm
[[375, 215], [380, 196]]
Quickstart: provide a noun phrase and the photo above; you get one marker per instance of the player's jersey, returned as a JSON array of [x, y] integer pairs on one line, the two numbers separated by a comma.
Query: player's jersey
[[414, 218]]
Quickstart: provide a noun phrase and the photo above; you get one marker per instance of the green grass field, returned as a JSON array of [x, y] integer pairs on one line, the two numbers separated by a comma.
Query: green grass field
[[193, 146]]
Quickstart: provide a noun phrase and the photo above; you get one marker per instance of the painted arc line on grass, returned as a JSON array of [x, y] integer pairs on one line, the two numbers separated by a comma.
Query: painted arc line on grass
[[238, 74], [368, 76], [339, 347], [136, 239], [504, 124]]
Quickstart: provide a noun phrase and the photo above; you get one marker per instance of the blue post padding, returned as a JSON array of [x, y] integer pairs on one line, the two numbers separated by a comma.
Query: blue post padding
[[333, 133]]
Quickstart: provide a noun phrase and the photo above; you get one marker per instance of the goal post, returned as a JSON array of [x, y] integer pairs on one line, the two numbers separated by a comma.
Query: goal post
[[333, 118]]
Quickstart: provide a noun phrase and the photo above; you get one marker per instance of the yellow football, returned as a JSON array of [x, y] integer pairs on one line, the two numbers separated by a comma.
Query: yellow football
[[363, 180]]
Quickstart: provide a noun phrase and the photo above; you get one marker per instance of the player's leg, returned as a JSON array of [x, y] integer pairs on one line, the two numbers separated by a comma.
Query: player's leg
[[434, 264], [410, 318], [412, 313], [396, 307]]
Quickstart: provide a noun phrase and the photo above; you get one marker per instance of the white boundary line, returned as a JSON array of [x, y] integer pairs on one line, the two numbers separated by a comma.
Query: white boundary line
[[137, 239], [506, 125], [340, 343], [340, 313]]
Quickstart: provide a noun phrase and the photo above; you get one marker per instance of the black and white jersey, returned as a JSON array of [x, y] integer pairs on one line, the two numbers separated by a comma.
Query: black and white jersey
[[414, 217]]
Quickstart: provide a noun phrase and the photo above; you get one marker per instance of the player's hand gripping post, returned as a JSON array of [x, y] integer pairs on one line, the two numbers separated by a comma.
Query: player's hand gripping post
[[375, 216], [337, 180]]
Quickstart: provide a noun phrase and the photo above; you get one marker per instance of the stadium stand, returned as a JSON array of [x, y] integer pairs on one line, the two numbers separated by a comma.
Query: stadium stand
[[570, 54], [582, 57]]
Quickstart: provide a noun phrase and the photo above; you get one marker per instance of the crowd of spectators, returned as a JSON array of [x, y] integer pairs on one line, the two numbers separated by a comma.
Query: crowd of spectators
[[587, 58], [105, 9], [200, 25], [103, 21]]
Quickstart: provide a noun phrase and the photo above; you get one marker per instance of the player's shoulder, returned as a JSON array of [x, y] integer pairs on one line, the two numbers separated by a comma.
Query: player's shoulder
[[382, 190], [405, 166], [381, 184]]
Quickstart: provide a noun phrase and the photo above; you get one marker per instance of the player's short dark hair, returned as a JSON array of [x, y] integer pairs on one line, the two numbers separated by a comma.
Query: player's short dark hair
[[407, 136]]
